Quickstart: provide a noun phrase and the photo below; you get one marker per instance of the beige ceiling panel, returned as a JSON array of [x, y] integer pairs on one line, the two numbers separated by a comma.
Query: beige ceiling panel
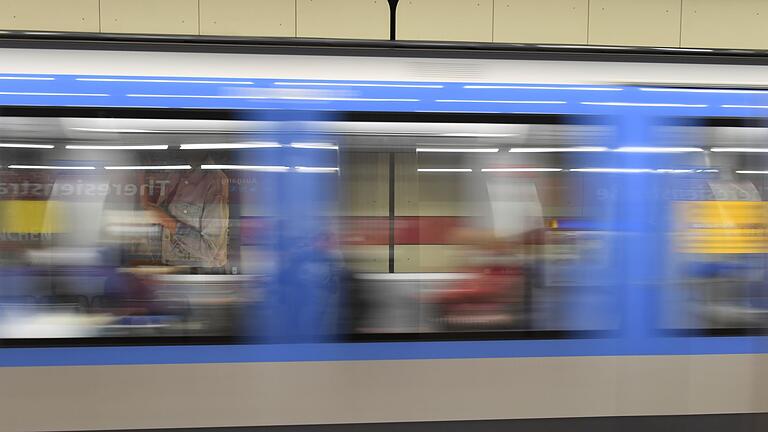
[[52, 15], [725, 24], [248, 17], [634, 22], [540, 21], [149, 16], [441, 20], [344, 19]]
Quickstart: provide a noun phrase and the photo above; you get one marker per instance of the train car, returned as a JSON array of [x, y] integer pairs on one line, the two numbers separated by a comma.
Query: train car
[[318, 235]]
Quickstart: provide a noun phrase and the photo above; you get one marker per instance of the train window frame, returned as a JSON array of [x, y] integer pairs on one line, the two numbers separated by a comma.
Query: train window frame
[[219, 114]]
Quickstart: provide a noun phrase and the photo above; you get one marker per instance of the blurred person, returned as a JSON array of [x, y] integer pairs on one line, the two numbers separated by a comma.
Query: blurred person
[[485, 299], [497, 257], [126, 293], [193, 209]]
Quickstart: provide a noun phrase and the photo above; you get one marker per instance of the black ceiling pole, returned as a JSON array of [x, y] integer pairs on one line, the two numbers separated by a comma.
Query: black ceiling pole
[[393, 19]]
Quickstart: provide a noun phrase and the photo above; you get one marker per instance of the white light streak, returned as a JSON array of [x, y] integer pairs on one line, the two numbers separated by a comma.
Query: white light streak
[[242, 145], [444, 170], [149, 167], [557, 149], [51, 167], [455, 150], [117, 147], [264, 168], [521, 169]]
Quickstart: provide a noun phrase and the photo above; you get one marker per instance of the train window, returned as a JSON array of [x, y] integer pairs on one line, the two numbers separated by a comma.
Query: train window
[[489, 229], [202, 230], [120, 229], [718, 232]]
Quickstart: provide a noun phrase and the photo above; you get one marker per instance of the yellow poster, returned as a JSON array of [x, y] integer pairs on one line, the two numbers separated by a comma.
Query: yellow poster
[[722, 227]]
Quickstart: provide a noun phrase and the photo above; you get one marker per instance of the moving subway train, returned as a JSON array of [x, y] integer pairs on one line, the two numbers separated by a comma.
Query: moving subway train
[[231, 233]]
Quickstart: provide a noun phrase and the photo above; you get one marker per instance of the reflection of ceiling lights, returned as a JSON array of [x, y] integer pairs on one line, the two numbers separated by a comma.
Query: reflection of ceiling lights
[[612, 170], [51, 167], [556, 149], [455, 150], [221, 146], [149, 167], [521, 169], [659, 149], [265, 168], [118, 147], [643, 170], [306, 169], [19, 145], [445, 170], [739, 149], [319, 146], [752, 172]]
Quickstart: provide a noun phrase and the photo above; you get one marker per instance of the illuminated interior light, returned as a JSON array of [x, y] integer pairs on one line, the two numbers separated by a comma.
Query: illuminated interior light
[[149, 167], [117, 147], [659, 149], [739, 149], [288, 83], [751, 172], [557, 149], [677, 105], [21, 145], [455, 150], [635, 170], [445, 170], [612, 170], [266, 168], [317, 169], [320, 146], [521, 87], [521, 169], [162, 81], [500, 101], [243, 145], [51, 167]]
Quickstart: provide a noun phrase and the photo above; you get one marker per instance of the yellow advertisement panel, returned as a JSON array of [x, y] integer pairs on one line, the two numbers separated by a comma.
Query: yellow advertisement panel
[[722, 227]]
